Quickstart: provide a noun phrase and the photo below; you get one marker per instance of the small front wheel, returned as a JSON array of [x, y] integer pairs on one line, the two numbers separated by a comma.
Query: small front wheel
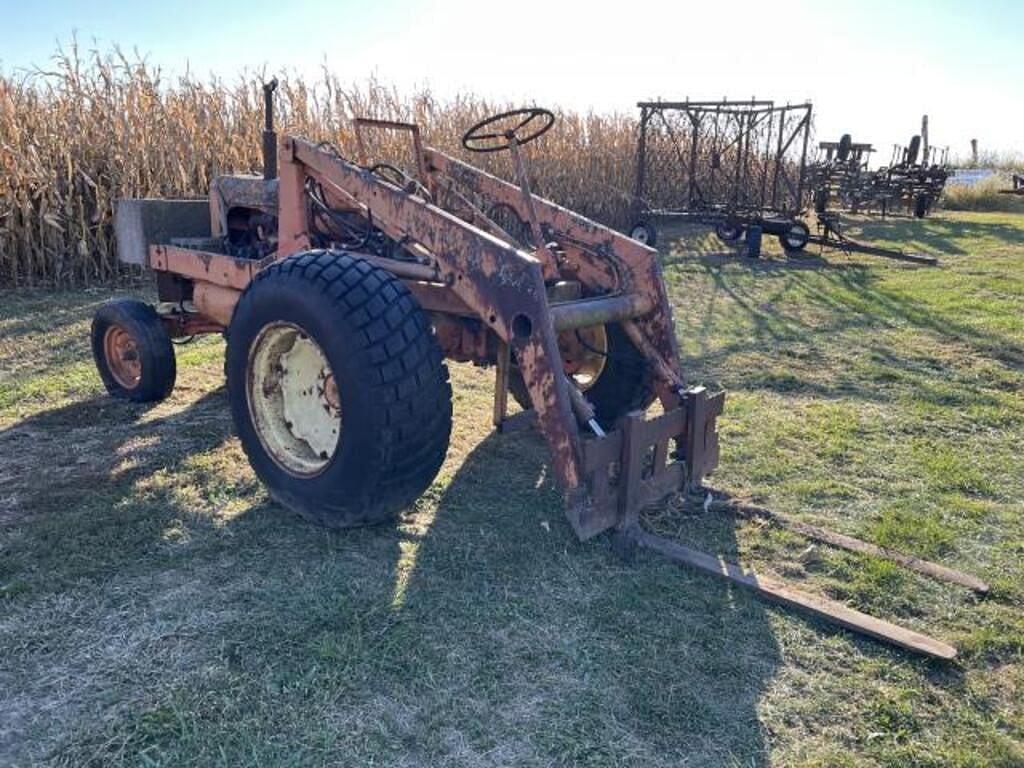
[[728, 232], [133, 351]]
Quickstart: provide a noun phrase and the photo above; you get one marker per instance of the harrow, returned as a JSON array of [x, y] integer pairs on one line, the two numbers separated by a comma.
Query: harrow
[[731, 165]]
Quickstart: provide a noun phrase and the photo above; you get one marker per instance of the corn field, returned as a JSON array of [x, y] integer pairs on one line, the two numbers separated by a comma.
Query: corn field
[[96, 127]]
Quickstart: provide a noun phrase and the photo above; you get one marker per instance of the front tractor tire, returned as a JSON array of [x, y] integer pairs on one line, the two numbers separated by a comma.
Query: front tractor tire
[[338, 389], [133, 351]]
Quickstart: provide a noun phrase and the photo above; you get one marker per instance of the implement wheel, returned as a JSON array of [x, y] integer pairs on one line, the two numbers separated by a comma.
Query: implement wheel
[[795, 239], [133, 351], [644, 233], [338, 389], [728, 231]]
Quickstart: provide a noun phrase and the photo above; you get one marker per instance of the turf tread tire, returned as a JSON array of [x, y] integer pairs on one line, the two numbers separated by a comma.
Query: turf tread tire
[[392, 380]]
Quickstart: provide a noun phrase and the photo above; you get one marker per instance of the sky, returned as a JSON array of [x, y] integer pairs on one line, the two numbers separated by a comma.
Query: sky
[[871, 68]]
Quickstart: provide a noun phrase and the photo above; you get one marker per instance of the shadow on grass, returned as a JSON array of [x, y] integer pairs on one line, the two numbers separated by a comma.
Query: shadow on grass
[[477, 623], [937, 235], [613, 658], [71, 479], [812, 312]]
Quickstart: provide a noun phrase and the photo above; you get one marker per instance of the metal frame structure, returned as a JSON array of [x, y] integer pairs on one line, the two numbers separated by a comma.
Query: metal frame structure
[[490, 302], [841, 178], [738, 163], [837, 175]]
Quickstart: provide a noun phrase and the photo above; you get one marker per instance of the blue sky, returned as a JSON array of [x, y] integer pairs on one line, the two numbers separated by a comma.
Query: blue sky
[[871, 68]]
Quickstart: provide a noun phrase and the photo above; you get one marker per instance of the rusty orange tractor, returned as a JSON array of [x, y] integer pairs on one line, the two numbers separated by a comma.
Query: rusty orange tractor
[[342, 287]]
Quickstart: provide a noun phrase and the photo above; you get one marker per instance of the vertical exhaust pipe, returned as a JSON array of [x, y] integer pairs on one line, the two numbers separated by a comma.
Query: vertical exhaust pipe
[[269, 135]]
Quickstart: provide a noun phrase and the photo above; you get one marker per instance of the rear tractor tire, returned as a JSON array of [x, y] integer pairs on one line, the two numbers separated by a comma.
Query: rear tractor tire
[[338, 389], [132, 351]]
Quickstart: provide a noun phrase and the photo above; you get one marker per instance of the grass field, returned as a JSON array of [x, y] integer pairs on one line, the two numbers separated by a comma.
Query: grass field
[[157, 608]]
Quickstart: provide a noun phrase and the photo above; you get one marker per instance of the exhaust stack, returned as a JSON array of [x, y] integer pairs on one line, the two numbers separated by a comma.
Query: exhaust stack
[[269, 134]]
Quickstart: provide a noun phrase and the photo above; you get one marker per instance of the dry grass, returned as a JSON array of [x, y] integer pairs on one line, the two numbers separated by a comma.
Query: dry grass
[[95, 127], [986, 195]]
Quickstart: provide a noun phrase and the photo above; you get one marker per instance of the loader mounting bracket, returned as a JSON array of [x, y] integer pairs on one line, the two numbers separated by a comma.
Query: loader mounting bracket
[[636, 465]]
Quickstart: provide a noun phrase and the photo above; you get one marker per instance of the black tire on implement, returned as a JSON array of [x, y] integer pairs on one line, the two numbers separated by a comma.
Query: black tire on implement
[[153, 350], [845, 146], [393, 388], [645, 233], [913, 150], [795, 239], [626, 383]]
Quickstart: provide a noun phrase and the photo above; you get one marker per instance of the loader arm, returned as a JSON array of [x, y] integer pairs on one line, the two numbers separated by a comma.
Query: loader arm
[[500, 284]]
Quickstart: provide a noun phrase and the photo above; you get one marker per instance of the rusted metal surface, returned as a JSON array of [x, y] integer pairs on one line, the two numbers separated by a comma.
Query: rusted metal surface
[[484, 293], [213, 268], [637, 465], [501, 284], [187, 324], [215, 302], [599, 257], [362, 124], [599, 311], [235, 193], [502, 368], [122, 356]]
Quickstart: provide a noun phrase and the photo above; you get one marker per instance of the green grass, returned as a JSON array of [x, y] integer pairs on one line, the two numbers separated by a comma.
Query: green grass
[[157, 609]]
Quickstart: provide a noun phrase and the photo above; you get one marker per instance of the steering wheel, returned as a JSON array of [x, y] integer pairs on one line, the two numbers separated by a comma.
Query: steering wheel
[[506, 127]]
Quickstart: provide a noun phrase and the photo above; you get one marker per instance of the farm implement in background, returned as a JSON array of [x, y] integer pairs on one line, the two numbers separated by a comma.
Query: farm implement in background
[[840, 178], [913, 180], [731, 165], [839, 175], [342, 285], [1017, 187], [740, 167]]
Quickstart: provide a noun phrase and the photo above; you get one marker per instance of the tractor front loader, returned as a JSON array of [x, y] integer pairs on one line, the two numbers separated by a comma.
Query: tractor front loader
[[342, 286]]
